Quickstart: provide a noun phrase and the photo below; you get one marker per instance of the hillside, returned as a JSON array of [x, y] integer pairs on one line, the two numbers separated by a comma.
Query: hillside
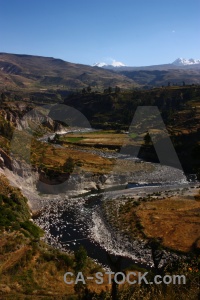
[[179, 107], [157, 75], [173, 76], [36, 73], [25, 258], [32, 269]]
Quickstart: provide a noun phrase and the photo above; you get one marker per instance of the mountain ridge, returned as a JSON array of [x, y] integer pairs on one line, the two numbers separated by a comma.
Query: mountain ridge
[[38, 72]]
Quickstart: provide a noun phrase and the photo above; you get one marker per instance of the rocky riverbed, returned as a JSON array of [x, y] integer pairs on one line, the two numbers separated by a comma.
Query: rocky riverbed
[[69, 222]]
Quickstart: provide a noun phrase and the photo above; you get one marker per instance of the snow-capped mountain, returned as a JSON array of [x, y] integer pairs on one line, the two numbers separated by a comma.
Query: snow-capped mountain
[[178, 63], [113, 64], [186, 62], [101, 65]]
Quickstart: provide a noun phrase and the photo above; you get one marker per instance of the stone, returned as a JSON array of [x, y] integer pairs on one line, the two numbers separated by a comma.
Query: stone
[[91, 186]]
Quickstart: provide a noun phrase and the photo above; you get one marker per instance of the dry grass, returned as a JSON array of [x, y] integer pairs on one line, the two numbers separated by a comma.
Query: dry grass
[[25, 271], [92, 139], [54, 158], [175, 220]]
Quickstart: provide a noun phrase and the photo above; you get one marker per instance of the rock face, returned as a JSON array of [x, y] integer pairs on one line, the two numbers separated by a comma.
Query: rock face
[[1, 162], [63, 183], [23, 116], [5, 160], [83, 182]]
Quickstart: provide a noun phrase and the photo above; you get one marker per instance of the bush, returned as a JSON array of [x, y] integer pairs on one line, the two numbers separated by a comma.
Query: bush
[[68, 166], [35, 231], [80, 258]]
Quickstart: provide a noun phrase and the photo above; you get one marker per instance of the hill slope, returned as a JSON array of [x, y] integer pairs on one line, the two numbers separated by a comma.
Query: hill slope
[[37, 72]]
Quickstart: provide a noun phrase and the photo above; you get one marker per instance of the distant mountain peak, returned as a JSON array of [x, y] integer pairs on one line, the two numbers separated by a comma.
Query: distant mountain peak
[[113, 64], [186, 62], [99, 64]]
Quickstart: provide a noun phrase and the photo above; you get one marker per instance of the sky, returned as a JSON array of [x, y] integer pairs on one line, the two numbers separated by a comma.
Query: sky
[[134, 32]]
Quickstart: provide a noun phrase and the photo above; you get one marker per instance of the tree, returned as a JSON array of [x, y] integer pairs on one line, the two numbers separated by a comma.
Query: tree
[[83, 91], [110, 90], [56, 138], [80, 264], [3, 97], [89, 89], [117, 89], [147, 139], [68, 166], [80, 259], [156, 251]]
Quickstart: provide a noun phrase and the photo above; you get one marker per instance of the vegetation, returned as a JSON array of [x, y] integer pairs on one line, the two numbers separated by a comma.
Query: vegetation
[[180, 111], [14, 213], [69, 165], [6, 128], [97, 107], [175, 220], [30, 267], [45, 78]]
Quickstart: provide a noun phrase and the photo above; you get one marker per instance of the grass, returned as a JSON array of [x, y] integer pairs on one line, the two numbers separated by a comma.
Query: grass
[[103, 132], [175, 220], [74, 139], [28, 266], [133, 135], [14, 213], [103, 140]]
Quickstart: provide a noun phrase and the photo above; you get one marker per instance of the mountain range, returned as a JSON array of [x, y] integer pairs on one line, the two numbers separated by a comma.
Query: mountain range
[[186, 62], [177, 72], [114, 63], [179, 62], [38, 73]]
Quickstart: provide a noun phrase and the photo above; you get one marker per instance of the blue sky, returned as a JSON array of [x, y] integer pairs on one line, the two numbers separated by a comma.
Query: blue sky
[[142, 32]]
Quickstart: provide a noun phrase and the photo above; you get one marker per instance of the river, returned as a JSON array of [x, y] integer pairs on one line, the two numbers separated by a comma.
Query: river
[[71, 222]]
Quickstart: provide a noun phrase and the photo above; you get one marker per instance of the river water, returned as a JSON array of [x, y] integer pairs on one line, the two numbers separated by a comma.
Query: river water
[[69, 223]]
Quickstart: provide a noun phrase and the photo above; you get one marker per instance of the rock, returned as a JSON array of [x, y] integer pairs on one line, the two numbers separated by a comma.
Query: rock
[[103, 178], [1, 162], [108, 181], [6, 159], [91, 186], [100, 186]]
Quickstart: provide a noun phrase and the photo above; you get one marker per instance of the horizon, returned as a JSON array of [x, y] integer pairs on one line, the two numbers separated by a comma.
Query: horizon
[[136, 34]]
